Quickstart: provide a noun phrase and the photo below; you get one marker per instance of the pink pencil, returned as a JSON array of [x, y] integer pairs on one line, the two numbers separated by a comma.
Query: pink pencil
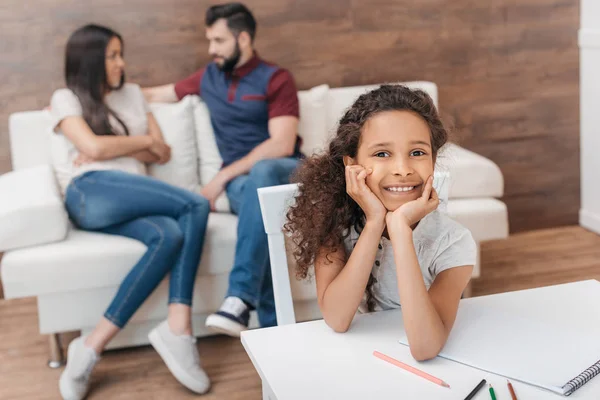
[[410, 369]]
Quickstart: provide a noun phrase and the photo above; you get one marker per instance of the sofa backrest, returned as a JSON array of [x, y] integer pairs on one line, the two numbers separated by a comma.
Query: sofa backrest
[[320, 110]]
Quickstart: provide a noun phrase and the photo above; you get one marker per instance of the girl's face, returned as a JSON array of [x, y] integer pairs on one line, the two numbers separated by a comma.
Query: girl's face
[[397, 146], [115, 65]]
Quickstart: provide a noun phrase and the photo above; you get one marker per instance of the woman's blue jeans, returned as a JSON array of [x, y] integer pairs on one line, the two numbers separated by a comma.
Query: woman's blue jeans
[[170, 221]]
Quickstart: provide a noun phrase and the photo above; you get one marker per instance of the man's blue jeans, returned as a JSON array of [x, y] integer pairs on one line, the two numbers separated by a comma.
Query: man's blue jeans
[[250, 278], [170, 221]]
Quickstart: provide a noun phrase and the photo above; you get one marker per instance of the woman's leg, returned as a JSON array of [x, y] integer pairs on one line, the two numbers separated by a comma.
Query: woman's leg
[[100, 199], [180, 319], [164, 240], [183, 276], [104, 200]]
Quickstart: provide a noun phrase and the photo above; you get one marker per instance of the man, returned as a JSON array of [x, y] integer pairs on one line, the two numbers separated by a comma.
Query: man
[[254, 113]]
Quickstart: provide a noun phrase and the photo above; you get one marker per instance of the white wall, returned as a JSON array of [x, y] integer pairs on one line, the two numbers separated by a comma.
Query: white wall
[[589, 44]]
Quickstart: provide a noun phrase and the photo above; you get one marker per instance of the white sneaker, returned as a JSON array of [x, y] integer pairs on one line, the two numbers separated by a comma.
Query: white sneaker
[[231, 319], [180, 354], [75, 379]]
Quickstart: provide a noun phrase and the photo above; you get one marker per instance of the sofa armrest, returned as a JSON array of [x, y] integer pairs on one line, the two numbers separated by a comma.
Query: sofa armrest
[[31, 209]]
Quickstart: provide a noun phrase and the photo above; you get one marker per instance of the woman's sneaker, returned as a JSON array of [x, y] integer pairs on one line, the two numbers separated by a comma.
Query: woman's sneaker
[[231, 319], [75, 380], [180, 354]]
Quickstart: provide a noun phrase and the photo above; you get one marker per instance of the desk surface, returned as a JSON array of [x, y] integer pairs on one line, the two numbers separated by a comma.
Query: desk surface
[[310, 361]]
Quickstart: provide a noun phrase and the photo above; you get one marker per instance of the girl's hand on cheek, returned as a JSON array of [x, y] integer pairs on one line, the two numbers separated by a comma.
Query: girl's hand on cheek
[[356, 187], [412, 212]]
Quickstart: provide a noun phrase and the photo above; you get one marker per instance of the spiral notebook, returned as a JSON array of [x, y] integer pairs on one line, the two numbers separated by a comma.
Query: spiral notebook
[[551, 340]]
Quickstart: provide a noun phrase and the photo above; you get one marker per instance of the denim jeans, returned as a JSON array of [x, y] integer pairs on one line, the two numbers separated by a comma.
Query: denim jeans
[[250, 279], [170, 221]]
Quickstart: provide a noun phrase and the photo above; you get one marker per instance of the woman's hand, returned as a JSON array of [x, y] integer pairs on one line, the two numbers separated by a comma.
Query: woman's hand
[[82, 159], [356, 187], [161, 149], [412, 212]]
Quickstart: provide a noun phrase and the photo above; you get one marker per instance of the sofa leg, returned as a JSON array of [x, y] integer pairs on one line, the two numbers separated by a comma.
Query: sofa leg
[[57, 359]]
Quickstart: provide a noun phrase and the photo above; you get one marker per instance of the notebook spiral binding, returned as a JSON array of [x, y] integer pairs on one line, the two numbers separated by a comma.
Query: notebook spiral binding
[[582, 378]]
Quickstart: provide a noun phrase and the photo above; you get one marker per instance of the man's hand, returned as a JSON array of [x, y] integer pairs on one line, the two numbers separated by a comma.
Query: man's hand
[[213, 190]]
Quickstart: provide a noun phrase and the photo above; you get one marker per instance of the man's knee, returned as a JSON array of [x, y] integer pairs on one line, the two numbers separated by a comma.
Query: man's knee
[[266, 173]]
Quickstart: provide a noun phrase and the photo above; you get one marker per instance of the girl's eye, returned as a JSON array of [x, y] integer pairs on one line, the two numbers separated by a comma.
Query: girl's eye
[[417, 153], [382, 154]]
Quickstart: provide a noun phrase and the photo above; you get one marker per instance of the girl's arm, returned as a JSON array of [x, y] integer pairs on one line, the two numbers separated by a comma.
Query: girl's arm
[[102, 147], [428, 315], [340, 284]]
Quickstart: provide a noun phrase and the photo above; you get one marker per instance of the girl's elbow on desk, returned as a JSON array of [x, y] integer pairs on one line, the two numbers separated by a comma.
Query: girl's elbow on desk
[[337, 324], [424, 352]]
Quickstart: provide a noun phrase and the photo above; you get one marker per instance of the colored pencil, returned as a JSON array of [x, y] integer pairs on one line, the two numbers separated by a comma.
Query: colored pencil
[[511, 390], [410, 369], [492, 393], [475, 390]]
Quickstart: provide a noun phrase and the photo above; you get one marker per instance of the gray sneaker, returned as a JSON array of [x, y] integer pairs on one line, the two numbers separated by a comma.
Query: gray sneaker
[[180, 354], [75, 379]]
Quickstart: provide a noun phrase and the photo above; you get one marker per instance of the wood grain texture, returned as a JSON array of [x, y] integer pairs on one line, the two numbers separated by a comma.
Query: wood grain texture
[[508, 71], [538, 258], [525, 260]]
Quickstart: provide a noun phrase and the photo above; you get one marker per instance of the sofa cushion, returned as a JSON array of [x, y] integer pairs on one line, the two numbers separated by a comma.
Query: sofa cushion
[[31, 208], [176, 122], [471, 174], [312, 127], [89, 260], [209, 158], [30, 139], [487, 219]]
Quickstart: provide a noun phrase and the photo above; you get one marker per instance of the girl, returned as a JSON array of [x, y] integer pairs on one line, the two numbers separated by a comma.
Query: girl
[[107, 133], [366, 217]]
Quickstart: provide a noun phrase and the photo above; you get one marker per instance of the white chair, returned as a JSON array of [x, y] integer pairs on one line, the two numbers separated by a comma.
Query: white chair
[[274, 204]]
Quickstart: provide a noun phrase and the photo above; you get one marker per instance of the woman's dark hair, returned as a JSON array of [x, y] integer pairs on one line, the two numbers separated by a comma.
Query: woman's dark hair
[[323, 212], [238, 16], [85, 73]]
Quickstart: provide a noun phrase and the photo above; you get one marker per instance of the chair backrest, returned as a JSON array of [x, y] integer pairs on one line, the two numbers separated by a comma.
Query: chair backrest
[[274, 204]]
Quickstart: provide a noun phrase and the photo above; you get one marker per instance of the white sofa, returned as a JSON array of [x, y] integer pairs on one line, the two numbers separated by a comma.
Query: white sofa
[[74, 274]]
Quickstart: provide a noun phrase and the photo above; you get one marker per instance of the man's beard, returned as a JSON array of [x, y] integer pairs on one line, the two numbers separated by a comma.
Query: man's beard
[[230, 62]]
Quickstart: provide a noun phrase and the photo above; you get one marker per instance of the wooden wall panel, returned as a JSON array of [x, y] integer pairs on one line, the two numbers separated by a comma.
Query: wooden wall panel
[[508, 71]]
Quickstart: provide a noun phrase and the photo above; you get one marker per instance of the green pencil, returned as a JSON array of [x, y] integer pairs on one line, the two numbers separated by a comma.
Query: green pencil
[[492, 393]]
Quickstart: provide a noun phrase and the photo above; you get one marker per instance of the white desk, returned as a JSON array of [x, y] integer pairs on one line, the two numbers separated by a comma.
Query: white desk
[[310, 361]]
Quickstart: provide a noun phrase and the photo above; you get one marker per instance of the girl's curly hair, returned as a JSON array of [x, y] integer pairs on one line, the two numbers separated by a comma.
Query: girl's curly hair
[[323, 212]]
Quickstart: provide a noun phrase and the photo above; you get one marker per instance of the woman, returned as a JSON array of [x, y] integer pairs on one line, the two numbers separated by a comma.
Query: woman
[[110, 134]]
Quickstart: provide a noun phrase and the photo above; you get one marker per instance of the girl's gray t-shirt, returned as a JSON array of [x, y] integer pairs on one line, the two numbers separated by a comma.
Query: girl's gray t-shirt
[[440, 242]]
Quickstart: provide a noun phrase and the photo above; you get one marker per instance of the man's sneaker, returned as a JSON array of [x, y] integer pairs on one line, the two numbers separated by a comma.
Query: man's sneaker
[[180, 354], [75, 379], [231, 319]]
